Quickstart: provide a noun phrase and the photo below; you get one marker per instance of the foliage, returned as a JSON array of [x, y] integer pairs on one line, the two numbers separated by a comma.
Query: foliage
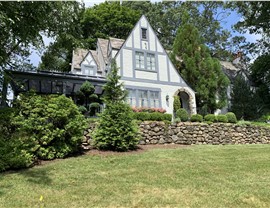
[[166, 17], [53, 124], [210, 117], [196, 118], [153, 116], [231, 117], [261, 78], [108, 19], [82, 109], [198, 68], [222, 118], [88, 98], [116, 130], [23, 24], [265, 118], [182, 114], [243, 100], [147, 109], [113, 89], [176, 103], [177, 120]]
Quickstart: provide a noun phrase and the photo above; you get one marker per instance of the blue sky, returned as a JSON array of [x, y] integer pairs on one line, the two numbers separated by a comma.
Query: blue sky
[[230, 20]]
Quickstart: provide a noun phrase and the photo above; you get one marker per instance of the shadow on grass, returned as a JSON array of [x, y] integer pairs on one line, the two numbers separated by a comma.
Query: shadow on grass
[[37, 176]]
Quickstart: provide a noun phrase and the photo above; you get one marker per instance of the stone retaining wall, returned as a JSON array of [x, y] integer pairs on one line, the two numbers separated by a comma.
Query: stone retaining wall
[[202, 133], [153, 132]]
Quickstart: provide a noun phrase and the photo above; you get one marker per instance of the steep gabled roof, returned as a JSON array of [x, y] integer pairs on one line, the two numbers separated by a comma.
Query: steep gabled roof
[[104, 48], [95, 57], [116, 43], [78, 56]]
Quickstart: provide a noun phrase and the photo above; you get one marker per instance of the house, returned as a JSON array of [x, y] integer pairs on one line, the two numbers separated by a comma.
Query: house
[[145, 68]]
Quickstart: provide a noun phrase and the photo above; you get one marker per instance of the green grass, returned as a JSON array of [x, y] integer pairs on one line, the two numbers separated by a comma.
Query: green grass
[[196, 176], [254, 123]]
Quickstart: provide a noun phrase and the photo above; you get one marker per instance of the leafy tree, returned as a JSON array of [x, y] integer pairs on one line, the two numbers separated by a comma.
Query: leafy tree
[[116, 130], [260, 75], [243, 104], [166, 17], [199, 69], [23, 23], [176, 103]]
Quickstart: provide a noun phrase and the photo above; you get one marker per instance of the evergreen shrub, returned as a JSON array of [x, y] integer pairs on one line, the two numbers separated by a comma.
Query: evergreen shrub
[[116, 130], [231, 117], [167, 117], [210, 117], [182, 114], [222, 118], [52, 122], [196, 118]]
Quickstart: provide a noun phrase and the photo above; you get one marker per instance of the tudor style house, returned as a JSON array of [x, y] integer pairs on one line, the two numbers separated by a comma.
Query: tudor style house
[[145, 68]]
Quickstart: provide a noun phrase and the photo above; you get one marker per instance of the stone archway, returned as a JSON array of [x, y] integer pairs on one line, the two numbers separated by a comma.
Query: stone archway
[[187, 100]]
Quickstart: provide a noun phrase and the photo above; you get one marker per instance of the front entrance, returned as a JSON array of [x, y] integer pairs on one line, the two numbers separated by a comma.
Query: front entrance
[[187, 100]]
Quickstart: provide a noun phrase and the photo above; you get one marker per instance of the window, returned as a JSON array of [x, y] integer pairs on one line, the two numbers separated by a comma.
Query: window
[[144, 33], [143, 98], [150, 62], [89, 70], [139, 58], [154, 99], [131, 98]]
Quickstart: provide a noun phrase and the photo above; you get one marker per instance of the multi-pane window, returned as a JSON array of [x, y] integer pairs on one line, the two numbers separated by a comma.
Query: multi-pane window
[[142, 98], [139, 58], [131, 98], [144, 33], [154, 99], [150, 62], [89, 70]]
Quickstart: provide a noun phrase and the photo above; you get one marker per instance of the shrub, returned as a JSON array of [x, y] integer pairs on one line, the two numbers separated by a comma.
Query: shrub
[[177, 120], [116, 129], [143, 116], [222, 118], [182, 114], [167, 117], [82, 109], [149, 110], [52, 122], [155, 116], [176, 103], [231, 117], [196, 118], [210, 117]]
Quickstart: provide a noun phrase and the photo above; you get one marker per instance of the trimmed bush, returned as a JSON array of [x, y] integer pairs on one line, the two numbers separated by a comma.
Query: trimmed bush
[[196, 118], [176, 103], [222, 118], [182, 114], [142, 116], [82, 109], [210, 117], [231, 117], [167, 117], [177, 120], [116, 130], [155, 116]]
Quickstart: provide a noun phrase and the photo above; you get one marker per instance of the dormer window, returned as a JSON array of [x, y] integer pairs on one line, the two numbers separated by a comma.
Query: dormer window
[[144, 33]]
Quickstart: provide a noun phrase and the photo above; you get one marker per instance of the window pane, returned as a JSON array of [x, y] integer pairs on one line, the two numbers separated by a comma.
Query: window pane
[[143, 100], [131, 98], [144, 35], [139, 58], [151, 64]]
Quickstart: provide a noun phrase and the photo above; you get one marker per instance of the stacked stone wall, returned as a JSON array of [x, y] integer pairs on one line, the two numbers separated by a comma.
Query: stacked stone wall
[[187, 133]]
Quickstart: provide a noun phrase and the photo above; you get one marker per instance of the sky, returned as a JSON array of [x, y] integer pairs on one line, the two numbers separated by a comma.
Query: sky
[[230, 20]]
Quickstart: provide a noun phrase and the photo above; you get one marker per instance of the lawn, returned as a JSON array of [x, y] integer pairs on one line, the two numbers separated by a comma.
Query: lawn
[[193, 176]]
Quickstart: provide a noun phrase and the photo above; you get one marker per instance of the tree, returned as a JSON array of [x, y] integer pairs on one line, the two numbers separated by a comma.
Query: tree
[[23, 24], [165, 18], [108, 19], [116, 130], [260, 75], [199, 69], [243, 102]]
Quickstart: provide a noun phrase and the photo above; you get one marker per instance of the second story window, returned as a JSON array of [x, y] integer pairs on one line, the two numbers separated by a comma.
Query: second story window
[[139, 58], [144, 33], [150, 62]]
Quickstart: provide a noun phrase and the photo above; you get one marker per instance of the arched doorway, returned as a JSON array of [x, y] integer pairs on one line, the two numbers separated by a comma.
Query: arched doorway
[[187, 100]]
